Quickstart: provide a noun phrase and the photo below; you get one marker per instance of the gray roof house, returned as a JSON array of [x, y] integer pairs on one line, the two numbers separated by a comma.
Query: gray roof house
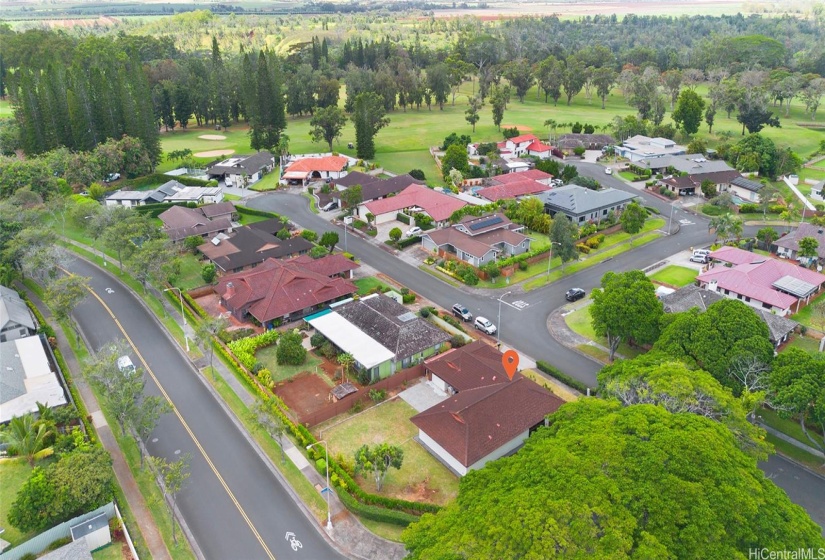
[[242, 171], [478, 240], [28, 376], [381, 334], [582, 205], [16, 321], [692, 296], [685, 163], [745, 189], [788, 245], [180, 222]]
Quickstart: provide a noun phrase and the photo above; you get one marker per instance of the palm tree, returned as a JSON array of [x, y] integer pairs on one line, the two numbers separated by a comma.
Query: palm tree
[[26, 436], [726, 226], [346, 360]]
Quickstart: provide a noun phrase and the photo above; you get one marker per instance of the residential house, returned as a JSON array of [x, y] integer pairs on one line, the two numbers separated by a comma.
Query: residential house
[[818, 190], [277, 292], [195, 195], [486, 416], [568, 143], [762, 282], [689, 164], [377, 188], [745, 189], [478, 240], [788, 246], [638, 148], [413, 199], [520, 145], [251, 245], [16, 320], [128, 198], [171, 192], [512, 190], [689, 185], [242, 171], [530, 174], [309, 169], [220, 210], [382, 335], [331, 266], [692, 296], [29, 376], [583, 205], [180, 222]]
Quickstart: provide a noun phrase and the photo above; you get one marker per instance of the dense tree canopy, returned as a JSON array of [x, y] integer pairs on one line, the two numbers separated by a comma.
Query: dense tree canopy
[[610, 482]]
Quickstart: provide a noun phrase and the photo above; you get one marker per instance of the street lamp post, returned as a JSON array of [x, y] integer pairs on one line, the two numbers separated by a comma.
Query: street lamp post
[[326, 453], [182, 314], [551, 255], [498, 327]]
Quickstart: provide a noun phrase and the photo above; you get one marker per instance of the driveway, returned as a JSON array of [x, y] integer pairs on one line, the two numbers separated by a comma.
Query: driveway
[[422, 395]]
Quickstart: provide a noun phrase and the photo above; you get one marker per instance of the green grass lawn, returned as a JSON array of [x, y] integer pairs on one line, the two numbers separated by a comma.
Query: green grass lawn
[[421, 477], [675, 275], [365, 285], [268, 182], [5, 111], [112, 551], [812, 462], [627, 175], [13, 473], [808, 344], [788, 427], [580, 322], [190, 272], [280, 373], [805, 316]]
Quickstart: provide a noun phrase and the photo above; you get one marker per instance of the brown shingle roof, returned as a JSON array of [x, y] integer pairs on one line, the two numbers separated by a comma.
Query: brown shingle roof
[[475, 365], [180, 222], [473, 423], [217, 209], [329, 265], [275, 288]]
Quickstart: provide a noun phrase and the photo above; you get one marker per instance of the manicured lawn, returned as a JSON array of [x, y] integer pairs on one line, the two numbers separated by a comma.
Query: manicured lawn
[[231, 197], [421, 477], [788, 426], [365, 285], [675, 275], [808, 344], [388, 531], [190, 272], [113, 551], [580, 322], [13, 473], [268, 182], [627, 175], [279, 373], [805, 316], [246, 219], [785, 448]]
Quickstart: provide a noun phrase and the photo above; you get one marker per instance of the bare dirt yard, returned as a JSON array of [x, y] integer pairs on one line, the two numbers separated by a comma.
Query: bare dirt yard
[[214, 153], [304, 394]]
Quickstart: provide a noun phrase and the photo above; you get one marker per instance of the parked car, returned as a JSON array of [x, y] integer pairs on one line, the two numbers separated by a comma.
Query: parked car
[[462, 312], [125, 365], [484, 325], [112, 177], [701, 253], [414, 231], [332, 205], [574, 294], [608, 170], [701, 259]]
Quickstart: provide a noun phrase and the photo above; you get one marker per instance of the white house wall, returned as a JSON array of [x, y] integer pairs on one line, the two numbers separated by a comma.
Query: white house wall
[[511, 445], [442, 453]]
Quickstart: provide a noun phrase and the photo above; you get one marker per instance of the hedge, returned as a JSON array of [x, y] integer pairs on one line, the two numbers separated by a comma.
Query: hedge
[[748, 208], [160, 178], [402, 243], [402, 218], [190, 301], [553, 371], [244, 349], [376, 513], [262, 213]]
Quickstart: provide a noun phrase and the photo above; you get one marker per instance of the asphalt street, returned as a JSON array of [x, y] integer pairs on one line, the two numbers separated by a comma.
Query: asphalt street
[[802, 487], [233, 503]]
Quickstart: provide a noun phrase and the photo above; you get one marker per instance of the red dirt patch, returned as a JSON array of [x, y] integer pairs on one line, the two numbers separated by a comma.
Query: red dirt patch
[[304, 394], [521, 128]]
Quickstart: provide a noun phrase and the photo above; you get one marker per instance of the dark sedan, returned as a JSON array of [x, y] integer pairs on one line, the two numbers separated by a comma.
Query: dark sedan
[[574, 294]]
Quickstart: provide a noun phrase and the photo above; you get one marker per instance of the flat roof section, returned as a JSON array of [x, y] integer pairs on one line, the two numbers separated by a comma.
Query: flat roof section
[[366, 350]]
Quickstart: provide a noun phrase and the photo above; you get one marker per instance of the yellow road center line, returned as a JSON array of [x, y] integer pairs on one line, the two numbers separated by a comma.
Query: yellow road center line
[[185, 425]]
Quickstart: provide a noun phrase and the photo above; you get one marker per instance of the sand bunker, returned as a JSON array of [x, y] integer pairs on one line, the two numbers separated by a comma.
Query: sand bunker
[[519, 127], [214, 153], [212, 137]]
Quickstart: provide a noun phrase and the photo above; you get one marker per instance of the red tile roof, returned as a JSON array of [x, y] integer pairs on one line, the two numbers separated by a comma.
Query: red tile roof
[[523, 138], [475, 365], [274, 289], [755, 276], [326, 163], [512, 189], [329, 265], [475, 422], [537, 146], [439, 206], [534, 174]]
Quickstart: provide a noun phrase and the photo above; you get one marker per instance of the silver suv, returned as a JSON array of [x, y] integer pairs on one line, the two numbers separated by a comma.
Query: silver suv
[[462, 312]]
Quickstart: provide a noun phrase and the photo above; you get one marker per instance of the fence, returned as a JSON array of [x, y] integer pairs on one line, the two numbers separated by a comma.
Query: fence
[[41, 542], [332, 410]]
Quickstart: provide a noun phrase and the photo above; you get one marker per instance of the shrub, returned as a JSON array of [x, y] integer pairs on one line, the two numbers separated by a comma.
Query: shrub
[[522, 265], [748, 208], [408, 298], [511, 132], [377, 395], [587, 229], [208, 272], [579, 150], [553, 371], [349, 256], [776, 209], [457, 341], [317, 340], [467, 274], [425, 312], [321, 465], [317, 252], [403, 218], [244, 349], [582, 248], [309, 235], [407, 242], [395, 234], [593, 242], [290, 350], [328, 350], [711, 210], [192, 243], [417, 174]]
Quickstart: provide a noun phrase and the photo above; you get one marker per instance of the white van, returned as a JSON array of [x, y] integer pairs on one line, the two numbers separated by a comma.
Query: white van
[[701, 253]]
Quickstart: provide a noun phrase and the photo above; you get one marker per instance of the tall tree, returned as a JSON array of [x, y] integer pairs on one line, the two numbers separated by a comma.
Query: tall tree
[[564, 234], [808, 247], [267, 109], [798, 381], [64, 295], [174, 475], [604, 79], [519, 74], [471, 114], [368, 117], [633, 218], [549, 77], [573, 77], [143, 418], [622, 482], [377, 460], [327, 124], [438, 80], [688, 112], [498, 101], [626, 308], [672, 80]]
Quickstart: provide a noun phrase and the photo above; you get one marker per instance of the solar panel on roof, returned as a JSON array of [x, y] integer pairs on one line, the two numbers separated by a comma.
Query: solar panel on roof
[[406, 317], [794, 286], [486, 223]]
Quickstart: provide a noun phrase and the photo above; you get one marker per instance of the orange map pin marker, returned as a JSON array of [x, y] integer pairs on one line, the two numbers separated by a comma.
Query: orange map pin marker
[[510, 362]]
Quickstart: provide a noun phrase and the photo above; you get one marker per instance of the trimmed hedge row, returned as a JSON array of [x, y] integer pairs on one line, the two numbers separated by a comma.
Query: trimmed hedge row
[[262, 213], [173, 298], [190, 301], [244, 348], [160, 178], [553, 371], [46, 329], [402, 218], [402, 243], [376, 513]]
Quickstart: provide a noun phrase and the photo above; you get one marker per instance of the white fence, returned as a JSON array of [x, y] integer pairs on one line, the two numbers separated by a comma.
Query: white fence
[[41, 542]]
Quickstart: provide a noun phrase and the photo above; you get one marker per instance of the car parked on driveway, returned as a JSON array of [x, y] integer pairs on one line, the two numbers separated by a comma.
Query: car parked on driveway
[[414, 231], [462, 312], [701, 259], [574, 294], [332, 205], [484, 325]]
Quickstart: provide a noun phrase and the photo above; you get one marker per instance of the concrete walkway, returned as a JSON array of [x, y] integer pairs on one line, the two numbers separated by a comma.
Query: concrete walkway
[[146, 523], [808, 204]]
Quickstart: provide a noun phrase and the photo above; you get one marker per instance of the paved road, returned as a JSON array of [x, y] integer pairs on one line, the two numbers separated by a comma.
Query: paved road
[[252, 521], [802, 487]]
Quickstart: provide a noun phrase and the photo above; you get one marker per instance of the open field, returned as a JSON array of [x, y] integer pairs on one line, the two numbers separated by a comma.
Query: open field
[[421, 477]]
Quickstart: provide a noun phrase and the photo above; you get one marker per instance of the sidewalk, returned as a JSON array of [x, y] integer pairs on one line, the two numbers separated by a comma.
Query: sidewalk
[[146, 523]]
